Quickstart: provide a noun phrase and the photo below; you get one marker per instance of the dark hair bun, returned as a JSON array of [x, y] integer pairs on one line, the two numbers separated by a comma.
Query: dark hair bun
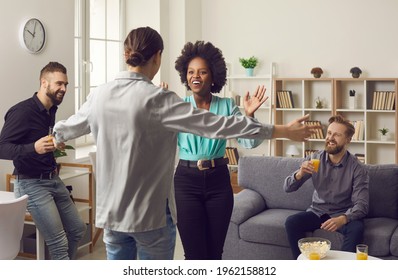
[[135, 59]]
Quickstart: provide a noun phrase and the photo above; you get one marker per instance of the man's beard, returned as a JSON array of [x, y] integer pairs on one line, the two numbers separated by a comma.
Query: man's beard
[[53, 96], [333, 150]]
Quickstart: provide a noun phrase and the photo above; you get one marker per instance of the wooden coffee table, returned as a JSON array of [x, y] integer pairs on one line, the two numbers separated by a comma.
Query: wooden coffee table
[[338, 255]]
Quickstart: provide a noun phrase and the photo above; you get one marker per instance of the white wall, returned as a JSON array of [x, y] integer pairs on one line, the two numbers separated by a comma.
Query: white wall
[[298, 35], [178, 21], [19, 70]]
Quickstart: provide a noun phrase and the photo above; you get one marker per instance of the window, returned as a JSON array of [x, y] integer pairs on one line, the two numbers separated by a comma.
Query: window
[[99, 36]]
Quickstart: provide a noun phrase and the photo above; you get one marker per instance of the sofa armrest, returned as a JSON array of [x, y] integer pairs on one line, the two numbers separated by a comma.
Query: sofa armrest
[[247, 203]]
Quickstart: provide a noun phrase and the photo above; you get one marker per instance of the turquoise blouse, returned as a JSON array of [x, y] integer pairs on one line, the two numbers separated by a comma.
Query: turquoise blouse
[[193, 147]]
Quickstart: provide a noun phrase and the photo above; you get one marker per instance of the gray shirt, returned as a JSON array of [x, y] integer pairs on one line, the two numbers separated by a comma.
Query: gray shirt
[[339, 188], [135, 125]]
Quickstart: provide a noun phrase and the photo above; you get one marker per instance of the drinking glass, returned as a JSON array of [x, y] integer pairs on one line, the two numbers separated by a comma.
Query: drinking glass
[[362, 252], [315, 161], [314, 256], [50, 134]]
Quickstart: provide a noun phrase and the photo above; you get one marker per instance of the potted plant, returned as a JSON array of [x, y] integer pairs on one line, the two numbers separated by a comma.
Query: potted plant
[[61, 153], [317, 72], [355, 72], [384, 131], [249, 64], [318, 103]]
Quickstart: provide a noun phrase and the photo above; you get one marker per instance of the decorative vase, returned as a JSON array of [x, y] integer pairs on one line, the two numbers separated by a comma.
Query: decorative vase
[[249, 72], [351, 102], [383, 137], [317, 75], [356, 75]]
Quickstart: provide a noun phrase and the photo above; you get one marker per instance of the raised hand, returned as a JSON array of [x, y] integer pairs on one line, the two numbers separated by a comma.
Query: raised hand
[[252, 103]]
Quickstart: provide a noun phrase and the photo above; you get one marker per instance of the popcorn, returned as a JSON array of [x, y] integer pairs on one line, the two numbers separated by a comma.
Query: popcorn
[[308, 246]]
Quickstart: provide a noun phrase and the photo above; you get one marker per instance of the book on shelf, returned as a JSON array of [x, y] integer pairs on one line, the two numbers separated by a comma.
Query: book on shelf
[[318, 134], [232, 154], [284, 99], [360, 157], [359, 133], [383, 100]]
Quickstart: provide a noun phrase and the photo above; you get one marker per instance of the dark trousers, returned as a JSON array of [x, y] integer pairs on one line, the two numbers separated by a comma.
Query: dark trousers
[[204, 202], [298, 224]]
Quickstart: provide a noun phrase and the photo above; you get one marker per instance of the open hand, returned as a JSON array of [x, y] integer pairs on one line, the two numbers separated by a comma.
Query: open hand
[[298, 131], [252, 103]]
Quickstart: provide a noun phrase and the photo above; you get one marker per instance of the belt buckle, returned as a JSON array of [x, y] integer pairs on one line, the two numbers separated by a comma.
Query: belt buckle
[[200, 164]]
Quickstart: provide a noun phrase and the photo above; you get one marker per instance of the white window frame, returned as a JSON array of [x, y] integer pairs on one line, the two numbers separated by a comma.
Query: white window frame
[[83, 63]]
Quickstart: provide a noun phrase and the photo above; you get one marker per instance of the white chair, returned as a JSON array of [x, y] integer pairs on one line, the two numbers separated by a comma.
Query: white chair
[[12, 217]]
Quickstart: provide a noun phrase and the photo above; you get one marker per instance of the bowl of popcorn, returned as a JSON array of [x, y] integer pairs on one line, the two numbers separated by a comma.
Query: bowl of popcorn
[[314, 248]]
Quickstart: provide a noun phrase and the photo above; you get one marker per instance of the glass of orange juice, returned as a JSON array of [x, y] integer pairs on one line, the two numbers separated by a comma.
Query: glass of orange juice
[[315, 161], [314, 256], [50, 134], [362, 252]]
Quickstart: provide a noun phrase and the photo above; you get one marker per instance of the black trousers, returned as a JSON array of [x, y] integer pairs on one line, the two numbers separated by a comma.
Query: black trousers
[[204, 202], [298, 224]]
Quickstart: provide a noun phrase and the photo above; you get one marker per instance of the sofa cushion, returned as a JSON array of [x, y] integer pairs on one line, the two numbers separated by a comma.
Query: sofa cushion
[[266, 176], [247, 203], [377, 235], [268, 227], [394, 243], [383, 190]]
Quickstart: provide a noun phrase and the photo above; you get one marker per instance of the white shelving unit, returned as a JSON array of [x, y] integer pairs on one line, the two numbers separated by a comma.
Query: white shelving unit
[[335, 95], [239, 85], [305, 93], [375, 150]]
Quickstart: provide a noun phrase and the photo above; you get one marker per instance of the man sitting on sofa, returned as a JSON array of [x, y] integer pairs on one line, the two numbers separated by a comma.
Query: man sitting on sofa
[[341, 196]]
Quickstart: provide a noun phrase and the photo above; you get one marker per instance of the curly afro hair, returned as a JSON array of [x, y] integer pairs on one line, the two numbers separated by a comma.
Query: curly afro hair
[[212, 55]]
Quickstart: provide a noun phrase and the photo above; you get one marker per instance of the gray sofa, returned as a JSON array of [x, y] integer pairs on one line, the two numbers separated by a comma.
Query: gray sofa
[[257, 230]]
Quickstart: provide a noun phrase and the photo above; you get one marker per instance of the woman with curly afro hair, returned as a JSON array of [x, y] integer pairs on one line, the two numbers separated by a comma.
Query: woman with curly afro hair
[[203, 189]]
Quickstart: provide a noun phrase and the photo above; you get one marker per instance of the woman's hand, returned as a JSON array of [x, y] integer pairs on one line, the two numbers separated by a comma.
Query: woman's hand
[[295, 130], [252, 103], [164, 85]]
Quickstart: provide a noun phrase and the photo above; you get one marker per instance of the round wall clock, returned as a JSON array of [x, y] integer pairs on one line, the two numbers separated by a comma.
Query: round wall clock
[[33, 35]]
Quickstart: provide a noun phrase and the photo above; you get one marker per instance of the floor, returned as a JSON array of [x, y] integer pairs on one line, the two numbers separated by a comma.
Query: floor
[[99, 252]]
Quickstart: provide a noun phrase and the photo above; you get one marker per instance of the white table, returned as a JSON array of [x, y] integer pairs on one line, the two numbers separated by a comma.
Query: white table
[[338, 255]]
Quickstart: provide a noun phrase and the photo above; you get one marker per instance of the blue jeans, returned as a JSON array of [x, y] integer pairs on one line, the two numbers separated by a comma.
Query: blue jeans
[[298, 224], [55, 215], [156, 244]]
